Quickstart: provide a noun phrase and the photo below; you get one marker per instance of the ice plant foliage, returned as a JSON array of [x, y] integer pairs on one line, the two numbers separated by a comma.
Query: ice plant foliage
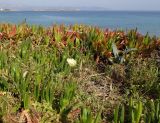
[[101, 43], [36, 63]]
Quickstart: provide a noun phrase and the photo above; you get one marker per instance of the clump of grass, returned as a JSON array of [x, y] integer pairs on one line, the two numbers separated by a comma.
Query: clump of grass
[[143, 77]]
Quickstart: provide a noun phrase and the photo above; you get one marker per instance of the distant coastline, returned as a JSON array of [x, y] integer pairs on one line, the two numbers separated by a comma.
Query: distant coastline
[[71, 10], [56, 9], [4, 10]]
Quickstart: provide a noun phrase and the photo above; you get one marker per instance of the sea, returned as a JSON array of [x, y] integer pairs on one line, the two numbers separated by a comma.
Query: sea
[[144, 21]]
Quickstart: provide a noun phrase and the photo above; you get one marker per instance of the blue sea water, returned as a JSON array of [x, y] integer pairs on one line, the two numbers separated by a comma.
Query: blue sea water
[[144, 21]]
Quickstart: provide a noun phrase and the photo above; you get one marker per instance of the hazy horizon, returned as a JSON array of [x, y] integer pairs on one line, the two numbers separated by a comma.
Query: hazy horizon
[[135, 5]]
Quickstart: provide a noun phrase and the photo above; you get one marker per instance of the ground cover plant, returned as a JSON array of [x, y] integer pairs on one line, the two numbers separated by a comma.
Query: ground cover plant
[[78, 74]]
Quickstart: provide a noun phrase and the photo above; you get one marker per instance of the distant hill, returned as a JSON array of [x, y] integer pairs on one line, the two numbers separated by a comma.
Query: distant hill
[[4, 10], [55, 8]]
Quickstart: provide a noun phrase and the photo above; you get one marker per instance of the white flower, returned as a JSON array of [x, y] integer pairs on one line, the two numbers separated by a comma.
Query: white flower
[[71, 62], [25, 74]]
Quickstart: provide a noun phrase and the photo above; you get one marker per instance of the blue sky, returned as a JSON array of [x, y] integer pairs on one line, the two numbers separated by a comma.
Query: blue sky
[[108, 4]]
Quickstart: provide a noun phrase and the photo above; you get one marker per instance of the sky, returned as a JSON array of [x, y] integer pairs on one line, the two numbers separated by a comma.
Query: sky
[[105, 4]]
